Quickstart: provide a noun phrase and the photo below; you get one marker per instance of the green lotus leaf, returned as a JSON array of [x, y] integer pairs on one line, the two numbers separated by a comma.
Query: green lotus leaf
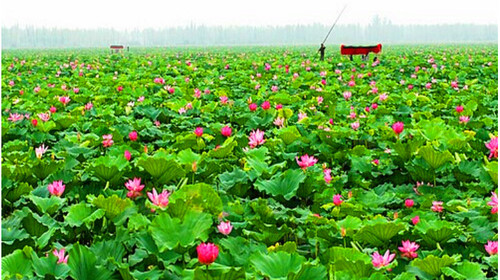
[[219, 273], [82, 213], [108, 169], [282, 184], [16, 264], [161, 166], [48, 266], [435, 231], [433, 265], [310, 271], [83, 265], [169, 233], [198, 197], [42, 169], [492, 169], [48, 205], [278, 265], [224, 150], [378, 234], [434, 158], [289, 134], [113, 206], [465, 271]]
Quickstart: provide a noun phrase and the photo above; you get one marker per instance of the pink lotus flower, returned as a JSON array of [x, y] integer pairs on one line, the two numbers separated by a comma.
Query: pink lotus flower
[[119, 88], [409, 203], [15, 117], [226, 131], [376, 161], [207, 253], [161, 199], [491, 247], [256, 138], [278, 106], [265, 105], [355, 125], [56, 188], [37, 89], [306, 161], [327, 175], [398, 127], [302, 116], [428, 86], [76, 90], [337, 199], [197, 93], [320, 100], [437, 206], [53, 109], [127, 155], [252, 107], [274, 88], [133, 136], [374, 106], [459, 109], [34, 122], [134, 188], [60, 256], [323, 82], [89, 106], [40, 151], [463, 119], [351, 83], [223, 99], [295, 75], [347, 95], [11, 83], [493, 203], [383, 97], [279, 122], [108, 140], [170, 89], [225, 228], [352, 115], [64, 100], [379, 261], [409, 249], [182, 110], [44, 116], [141, 98], [159, 81], [198, 131], [415, 220], [454, 84], [493, 147]]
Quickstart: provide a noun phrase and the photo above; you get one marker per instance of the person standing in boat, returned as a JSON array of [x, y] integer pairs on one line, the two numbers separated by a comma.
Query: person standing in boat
[[322, 52]]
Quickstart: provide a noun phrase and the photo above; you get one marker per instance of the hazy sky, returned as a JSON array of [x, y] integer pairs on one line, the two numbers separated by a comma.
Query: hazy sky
[[148, 13]]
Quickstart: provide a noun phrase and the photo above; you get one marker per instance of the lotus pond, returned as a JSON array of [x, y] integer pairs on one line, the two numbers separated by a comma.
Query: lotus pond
[[250, 163]]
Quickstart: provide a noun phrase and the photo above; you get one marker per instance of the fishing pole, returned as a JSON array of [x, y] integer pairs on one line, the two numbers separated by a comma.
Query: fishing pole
[[345, 6]]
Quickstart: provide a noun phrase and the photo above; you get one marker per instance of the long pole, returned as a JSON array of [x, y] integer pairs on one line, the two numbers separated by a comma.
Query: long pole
[[334, 24]]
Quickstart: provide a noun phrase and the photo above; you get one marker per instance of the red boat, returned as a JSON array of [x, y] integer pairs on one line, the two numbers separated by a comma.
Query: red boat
[[360, 50]]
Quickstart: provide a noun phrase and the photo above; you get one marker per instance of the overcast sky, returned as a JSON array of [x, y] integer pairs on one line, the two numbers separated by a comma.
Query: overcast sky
[[156, 14]]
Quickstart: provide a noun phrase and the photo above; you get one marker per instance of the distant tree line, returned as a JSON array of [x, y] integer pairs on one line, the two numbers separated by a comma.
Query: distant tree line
[[378, 31]]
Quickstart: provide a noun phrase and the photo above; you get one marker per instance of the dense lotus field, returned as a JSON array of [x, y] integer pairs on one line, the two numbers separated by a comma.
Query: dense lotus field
[[250, 163]]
